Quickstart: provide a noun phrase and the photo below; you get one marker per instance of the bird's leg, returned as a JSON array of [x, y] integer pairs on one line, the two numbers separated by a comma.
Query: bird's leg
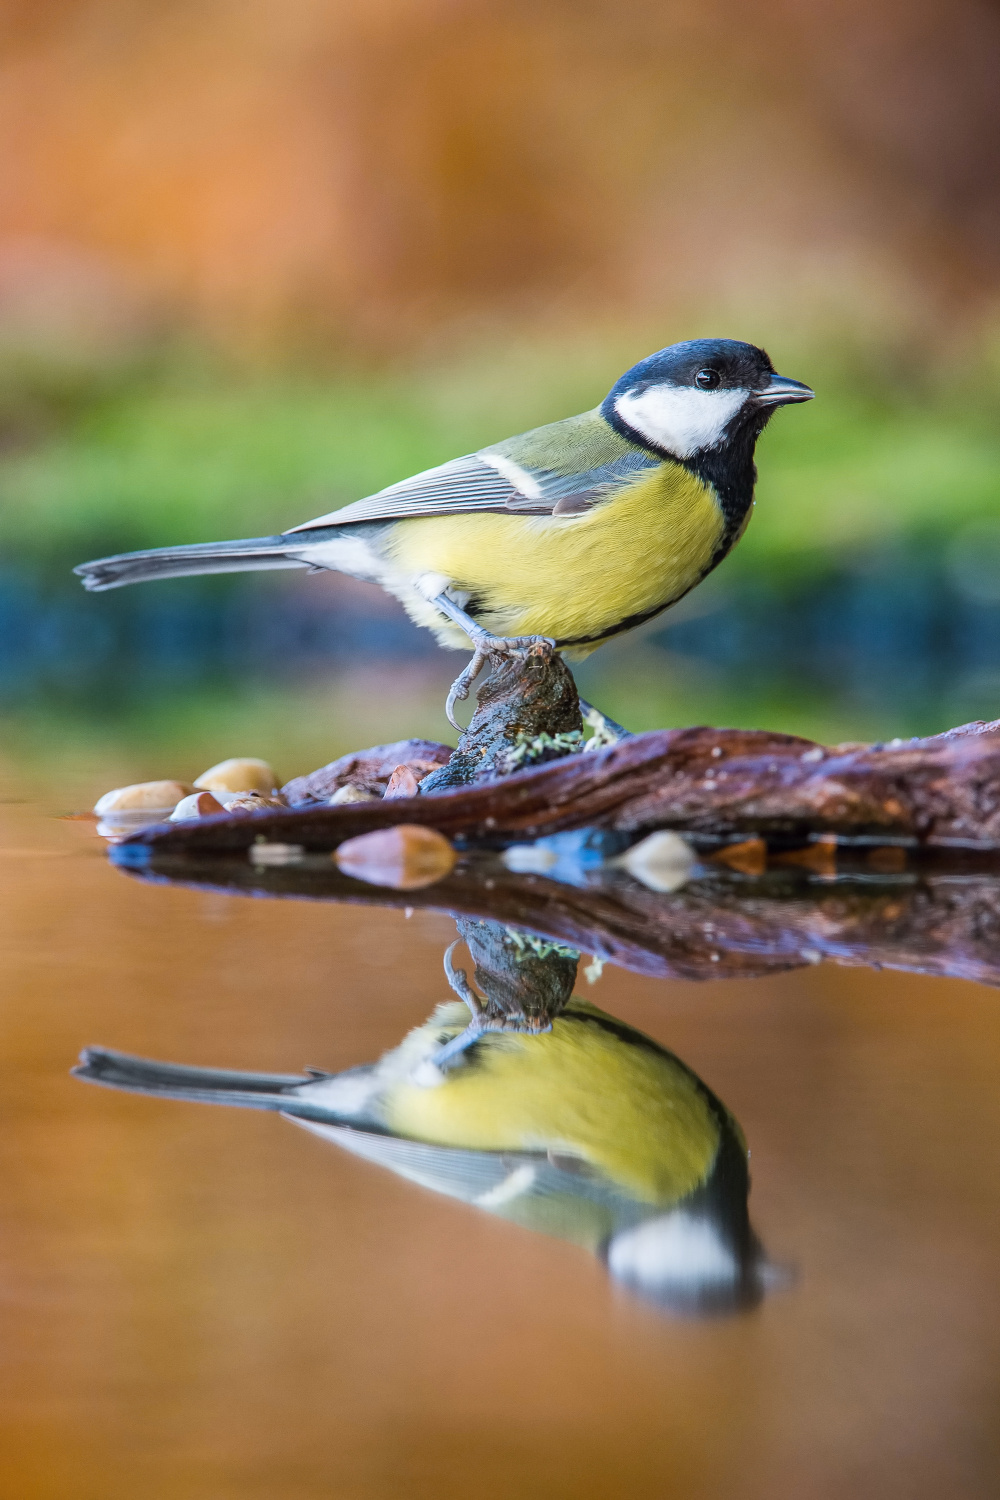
[[484, 646], [607, 731], [459, 981]]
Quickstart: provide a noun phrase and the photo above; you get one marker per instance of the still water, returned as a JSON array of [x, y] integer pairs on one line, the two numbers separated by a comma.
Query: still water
[[204, 1302]]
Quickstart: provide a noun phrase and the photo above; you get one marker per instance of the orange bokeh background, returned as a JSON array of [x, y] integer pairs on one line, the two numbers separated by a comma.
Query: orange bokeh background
[[356, 174]]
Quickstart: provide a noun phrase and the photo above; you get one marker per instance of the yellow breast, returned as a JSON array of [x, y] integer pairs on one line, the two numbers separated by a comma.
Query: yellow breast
[[630, 1110], [567, 576]]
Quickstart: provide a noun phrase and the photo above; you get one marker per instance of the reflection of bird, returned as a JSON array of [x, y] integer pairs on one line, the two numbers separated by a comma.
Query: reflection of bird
[[590, 1131], [574, 532]]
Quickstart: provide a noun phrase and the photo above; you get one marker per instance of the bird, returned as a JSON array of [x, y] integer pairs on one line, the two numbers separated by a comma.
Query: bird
[[567, 535], [590, 1131]]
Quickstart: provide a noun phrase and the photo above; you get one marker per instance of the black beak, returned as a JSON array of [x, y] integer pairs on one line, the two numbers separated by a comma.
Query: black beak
[[780, 391]]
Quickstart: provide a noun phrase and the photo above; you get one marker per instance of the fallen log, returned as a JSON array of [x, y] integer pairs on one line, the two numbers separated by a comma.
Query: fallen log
[[521, 771], [714, 785]]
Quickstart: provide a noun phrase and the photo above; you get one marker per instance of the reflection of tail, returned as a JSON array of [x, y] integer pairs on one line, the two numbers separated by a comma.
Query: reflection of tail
[[251, 555], [141, 1075]]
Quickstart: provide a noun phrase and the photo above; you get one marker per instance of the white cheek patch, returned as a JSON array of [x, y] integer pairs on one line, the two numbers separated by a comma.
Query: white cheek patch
[[680, 419]]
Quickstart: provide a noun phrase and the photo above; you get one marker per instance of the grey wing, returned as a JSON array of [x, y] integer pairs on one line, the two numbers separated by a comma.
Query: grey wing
[[464, 484], [472, 1176], [493, 1180], [488, 482]]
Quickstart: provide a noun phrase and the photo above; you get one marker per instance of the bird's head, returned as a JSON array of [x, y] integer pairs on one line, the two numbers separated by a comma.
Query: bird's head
[[692, 1263], [699, 396]]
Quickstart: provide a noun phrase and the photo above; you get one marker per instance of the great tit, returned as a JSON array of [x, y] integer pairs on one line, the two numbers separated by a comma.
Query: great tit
[[571, 533], [589, 1131]]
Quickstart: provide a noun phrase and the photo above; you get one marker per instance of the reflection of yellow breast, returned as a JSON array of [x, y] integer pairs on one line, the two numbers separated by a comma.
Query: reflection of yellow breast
[[628, 1109], [569, 576]]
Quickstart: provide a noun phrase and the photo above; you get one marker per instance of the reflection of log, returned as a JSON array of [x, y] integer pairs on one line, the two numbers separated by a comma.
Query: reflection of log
[[525, 983], [722, 927], [710, 783]]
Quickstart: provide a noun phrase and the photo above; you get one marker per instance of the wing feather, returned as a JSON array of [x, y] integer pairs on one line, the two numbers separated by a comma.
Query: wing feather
[[469, 1175], [487, 482]]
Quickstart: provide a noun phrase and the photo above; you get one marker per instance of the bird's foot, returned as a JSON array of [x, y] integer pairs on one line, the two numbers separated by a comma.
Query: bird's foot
[[607, 731], [450, 1053], [482, 1020], [485, 646]]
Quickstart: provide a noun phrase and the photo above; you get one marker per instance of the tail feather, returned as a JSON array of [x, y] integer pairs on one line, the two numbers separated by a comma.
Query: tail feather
[[143, 1075], [251, 555]]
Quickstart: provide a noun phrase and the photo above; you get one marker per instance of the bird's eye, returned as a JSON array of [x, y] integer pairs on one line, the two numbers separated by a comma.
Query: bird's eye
[[707, 380]]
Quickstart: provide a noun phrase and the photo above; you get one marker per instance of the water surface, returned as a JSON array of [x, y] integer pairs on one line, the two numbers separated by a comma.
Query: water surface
[[207, 1303]]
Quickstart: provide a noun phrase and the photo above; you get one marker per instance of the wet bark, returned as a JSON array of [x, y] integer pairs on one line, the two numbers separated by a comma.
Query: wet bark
[[527, 713], [502, 784], [712, 784]]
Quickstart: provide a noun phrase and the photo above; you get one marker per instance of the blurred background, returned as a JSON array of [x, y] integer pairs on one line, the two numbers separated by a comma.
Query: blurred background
[[260, 259]]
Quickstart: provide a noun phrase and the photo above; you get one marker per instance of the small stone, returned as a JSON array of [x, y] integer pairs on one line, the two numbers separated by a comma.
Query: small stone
[[143, 796], [529, 859], [252, 802], [404, 858], [749, 857], [887, 859], [662, 862], [820, 856], [198, 805], [402, 783], [350, 793], [275, 854], [240, 774]]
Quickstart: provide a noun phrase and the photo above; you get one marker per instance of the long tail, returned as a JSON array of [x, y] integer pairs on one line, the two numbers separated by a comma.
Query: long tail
[[251, 555], [143, 1075]]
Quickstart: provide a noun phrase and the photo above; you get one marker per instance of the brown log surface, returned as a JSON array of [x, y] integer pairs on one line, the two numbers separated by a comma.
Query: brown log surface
[[939, 792], [367, 770]]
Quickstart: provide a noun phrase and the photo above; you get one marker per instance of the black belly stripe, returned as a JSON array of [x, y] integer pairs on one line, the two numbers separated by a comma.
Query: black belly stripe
[[629, 623]]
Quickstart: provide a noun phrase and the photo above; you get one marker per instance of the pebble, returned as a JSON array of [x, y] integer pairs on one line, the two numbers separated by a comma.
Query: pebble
[[251, 802], [529, 859], [198, 805], [351, 793], [275, 854], [662, 862], [404, 858], [240, 774], [402, 783], [143, 796]]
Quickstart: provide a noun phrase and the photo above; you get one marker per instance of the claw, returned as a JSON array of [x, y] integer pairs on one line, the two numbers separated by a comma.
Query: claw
[[462, 686], [485, 647], [459, 981]]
